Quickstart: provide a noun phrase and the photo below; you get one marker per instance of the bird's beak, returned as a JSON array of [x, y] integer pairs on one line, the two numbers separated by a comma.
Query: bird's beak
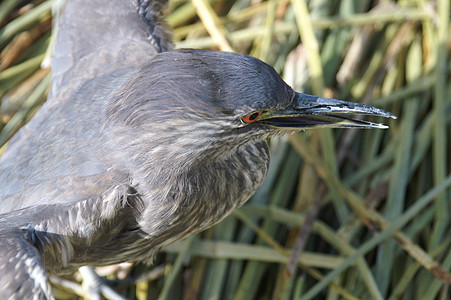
[[307, 111]]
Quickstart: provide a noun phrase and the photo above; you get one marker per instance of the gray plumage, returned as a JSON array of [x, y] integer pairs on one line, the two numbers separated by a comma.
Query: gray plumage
[[138, 145]]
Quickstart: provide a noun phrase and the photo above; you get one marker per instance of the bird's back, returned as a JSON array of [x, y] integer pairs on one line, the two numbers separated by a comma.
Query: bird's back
[[98, 42], [56, 158]]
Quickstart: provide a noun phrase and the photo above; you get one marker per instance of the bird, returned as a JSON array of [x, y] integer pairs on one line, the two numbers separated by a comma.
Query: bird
[[139, 144]]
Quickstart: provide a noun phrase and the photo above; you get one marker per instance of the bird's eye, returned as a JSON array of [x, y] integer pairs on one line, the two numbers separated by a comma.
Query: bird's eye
[[252, 117]]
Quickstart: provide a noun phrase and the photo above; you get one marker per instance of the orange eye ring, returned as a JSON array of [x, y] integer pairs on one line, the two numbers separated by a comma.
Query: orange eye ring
[[253, 117]]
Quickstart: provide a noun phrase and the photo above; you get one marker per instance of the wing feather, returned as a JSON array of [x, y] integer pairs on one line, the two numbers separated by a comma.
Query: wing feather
[[121, 33]]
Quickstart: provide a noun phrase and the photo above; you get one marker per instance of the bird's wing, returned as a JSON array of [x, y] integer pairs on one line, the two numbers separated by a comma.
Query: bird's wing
[[49, 165], [62, 154], [58, 234], [94, 38], [23, 273], [97, 36]]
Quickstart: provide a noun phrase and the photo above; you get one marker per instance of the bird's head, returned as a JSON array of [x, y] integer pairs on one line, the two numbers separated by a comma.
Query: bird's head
[[213, 96]]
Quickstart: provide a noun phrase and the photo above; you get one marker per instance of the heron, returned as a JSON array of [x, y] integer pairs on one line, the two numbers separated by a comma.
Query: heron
[[139, 144]]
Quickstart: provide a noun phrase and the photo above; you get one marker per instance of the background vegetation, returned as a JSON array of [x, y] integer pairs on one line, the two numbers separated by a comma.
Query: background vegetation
[[367, 211]]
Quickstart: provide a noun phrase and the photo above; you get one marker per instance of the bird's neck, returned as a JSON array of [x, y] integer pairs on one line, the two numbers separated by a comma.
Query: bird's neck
[[181, 199]]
